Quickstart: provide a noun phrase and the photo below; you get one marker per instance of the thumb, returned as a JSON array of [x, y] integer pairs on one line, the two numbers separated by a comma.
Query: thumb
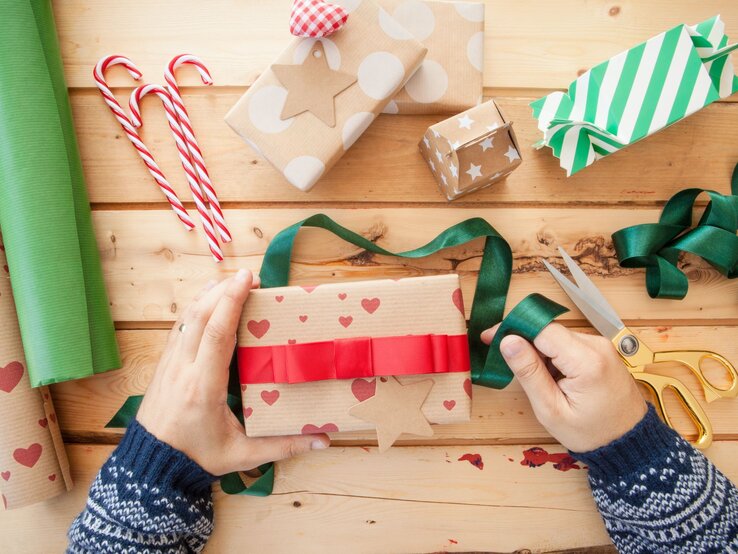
[[258, 451], [530, 369]]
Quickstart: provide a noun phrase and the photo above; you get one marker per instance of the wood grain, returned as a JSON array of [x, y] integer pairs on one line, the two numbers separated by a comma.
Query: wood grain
[[442, 504], [384, 166], [408, 499], [527, 44], [503, 416], [153, 267]]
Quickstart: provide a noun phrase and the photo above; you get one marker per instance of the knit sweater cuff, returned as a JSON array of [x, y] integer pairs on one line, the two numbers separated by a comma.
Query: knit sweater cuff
[[159, 464], [636, 449]]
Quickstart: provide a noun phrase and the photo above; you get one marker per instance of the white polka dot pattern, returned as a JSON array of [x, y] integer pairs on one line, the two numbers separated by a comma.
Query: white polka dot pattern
[[303, 148]]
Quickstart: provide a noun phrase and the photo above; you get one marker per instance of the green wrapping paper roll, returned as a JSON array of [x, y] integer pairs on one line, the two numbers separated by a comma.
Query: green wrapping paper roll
[[63, 309]]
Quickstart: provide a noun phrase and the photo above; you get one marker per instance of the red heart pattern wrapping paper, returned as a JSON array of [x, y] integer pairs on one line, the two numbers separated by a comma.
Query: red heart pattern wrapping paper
[[33, 463], [382, 308]]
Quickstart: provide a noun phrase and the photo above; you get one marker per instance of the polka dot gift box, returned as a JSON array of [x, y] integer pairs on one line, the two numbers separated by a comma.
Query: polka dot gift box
[[450, 78], [33, 464], [471, 150], [321, 94], [388, 354]]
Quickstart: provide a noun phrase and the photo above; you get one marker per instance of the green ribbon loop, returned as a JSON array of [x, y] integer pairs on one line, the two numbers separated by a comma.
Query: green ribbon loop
[[527, 319], [657, 246]]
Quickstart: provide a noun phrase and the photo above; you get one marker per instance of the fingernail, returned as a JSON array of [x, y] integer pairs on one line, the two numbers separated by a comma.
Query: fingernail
[[242, 274], [511, 346], [318, 445]]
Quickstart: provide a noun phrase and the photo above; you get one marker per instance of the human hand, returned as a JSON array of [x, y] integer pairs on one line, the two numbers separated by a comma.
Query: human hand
[[185, 404], [595, 400]]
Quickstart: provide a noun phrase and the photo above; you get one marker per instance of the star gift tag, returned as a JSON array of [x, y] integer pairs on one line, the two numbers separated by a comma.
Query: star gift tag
[[395, 409], [312, 86]]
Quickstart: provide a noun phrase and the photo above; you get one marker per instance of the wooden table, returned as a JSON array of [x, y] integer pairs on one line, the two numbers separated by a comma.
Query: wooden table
[[418, 497]]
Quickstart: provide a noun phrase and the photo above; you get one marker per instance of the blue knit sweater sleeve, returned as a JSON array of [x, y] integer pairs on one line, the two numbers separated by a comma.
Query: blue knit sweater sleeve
[[657, 494], [148, 497]]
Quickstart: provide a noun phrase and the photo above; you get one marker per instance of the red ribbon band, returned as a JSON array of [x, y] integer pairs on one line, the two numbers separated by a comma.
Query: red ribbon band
[[353, 358]]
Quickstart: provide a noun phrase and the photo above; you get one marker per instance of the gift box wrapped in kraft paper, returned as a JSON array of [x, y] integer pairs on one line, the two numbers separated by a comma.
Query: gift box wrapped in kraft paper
[[33, 463], [320, 95], [471, 150], [637, 93], [388, 354], [450, 78]]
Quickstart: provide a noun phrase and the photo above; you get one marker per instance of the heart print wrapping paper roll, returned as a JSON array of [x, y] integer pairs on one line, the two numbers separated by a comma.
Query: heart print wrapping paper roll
[[33, 463]]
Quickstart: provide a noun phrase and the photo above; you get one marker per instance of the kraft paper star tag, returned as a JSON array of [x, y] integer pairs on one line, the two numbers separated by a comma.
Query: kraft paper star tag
[[395, 409], [312, 86]]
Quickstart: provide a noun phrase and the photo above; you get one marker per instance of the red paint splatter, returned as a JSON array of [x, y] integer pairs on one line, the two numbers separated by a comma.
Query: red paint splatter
[[511, 459], [473, 459], [452, 541], [537, 456]]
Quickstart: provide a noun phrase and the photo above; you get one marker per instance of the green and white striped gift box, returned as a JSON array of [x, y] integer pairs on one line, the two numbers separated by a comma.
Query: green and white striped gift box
[[637, 93]]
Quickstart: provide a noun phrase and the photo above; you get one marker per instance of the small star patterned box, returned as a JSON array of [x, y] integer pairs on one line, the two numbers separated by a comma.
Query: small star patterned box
[[387, 354], [471, 150], [316, 100]]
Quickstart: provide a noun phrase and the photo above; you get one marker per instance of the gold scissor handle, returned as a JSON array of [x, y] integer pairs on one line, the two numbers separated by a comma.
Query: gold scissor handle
[[658, 383], [693, 360]]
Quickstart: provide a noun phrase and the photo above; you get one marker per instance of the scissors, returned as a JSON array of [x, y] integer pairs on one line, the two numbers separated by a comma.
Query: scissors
[[636, 355]]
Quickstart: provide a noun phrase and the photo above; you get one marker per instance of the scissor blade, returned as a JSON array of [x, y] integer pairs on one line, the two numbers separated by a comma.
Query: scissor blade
[[590, 290], [591, 311]]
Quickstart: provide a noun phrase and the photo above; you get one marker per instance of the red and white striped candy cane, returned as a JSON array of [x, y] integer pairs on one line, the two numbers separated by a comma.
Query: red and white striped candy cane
[[99, 76], [184, 155], [189, 135]]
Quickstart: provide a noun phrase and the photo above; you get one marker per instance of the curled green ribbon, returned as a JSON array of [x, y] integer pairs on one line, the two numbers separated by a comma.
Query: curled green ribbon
[[656, 246], [488, 368]]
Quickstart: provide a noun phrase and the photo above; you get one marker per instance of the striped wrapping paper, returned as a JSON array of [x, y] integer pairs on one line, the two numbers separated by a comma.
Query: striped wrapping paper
[[637, 93]]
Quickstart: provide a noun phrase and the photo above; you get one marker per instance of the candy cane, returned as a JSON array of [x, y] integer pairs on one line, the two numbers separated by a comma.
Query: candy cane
[[136, 96], [189, 135], [99, 75]]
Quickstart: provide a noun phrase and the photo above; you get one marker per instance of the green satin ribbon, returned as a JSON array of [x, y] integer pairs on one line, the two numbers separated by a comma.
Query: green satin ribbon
[[656, 246], [488, 368], [527, 319]]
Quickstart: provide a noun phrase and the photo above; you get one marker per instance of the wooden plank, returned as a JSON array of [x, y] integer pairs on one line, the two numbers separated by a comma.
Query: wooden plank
[[504, 416], [384, 166], [153, 267], [236, 51], [417, 499]]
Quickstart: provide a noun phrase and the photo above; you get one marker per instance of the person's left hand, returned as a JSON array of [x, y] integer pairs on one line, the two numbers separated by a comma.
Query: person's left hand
[[185, 404]]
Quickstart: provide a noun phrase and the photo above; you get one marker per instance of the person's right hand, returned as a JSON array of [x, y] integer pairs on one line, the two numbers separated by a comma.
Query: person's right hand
[[594, 402]]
